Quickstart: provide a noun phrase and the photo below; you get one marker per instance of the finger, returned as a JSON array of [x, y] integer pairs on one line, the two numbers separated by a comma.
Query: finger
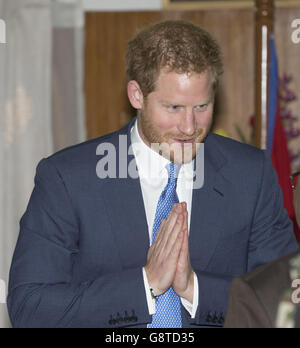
[[160, 231], [179, 208], [184, 257], [168, 227], [182, 206], [185, 244], [186, 220], [175, 251], [171, 221], [185, 213], [177, 229], [161, 227]]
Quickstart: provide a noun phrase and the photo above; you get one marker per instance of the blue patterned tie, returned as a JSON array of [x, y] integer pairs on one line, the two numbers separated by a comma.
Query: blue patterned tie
[[168, 307]]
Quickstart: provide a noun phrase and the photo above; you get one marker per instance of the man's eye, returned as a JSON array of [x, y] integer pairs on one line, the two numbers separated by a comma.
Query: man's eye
[[173, 108], [201, 108]]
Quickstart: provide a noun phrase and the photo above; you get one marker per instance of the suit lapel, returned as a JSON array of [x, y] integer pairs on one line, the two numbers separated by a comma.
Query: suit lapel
[[208, 208], [125, 207]]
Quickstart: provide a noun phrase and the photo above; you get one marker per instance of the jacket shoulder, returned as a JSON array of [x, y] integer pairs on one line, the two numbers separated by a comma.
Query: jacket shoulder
[[82, 148], [233, 147], [81, 155]]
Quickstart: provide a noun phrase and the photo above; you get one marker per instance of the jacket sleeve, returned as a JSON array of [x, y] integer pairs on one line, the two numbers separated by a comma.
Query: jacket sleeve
[[42, 292], [213, 296], [270, 238], [272, 233]]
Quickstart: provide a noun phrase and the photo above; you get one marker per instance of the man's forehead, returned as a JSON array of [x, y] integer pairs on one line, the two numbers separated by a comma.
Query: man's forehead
[[168, 72], [170, 82]]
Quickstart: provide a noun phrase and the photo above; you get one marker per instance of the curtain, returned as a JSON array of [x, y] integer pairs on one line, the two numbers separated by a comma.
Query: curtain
[[67, 73], [41, 103]]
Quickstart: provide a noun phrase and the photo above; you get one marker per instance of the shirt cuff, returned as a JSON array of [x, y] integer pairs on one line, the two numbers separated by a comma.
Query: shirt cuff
[[192, 307], [150, 300]]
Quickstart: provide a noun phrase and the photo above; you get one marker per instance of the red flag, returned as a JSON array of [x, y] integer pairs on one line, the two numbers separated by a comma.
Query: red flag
[[282, 165]]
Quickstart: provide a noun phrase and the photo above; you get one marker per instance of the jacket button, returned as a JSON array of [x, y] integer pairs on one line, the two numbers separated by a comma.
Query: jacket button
[[126, 318], [215, 319], [209, 318], [119, 319], [134, 317]]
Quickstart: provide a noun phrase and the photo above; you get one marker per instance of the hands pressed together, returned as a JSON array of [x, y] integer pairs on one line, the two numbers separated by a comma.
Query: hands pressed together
[[168, 262]]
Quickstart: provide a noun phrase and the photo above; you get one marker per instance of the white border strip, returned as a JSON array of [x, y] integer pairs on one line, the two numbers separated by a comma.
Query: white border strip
[[122, 5]]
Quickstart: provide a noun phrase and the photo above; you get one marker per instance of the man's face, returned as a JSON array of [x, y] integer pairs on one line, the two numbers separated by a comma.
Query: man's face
[[178, 114]]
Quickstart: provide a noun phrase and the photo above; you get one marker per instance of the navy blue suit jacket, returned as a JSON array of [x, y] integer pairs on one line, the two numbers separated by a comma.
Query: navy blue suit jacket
[[84, 240]]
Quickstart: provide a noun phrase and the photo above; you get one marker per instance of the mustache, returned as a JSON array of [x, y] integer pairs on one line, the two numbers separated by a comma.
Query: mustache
[[180, 138]]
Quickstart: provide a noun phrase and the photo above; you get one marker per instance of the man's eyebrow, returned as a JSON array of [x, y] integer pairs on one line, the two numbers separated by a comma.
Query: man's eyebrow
[[168, 102], [165, 102]]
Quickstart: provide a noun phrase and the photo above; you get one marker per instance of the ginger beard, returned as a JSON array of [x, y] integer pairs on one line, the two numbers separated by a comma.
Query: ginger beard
[[165, 145]]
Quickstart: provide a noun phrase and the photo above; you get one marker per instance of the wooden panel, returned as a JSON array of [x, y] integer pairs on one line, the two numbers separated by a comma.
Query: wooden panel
[[234, 31], [185, 5], [107, 107], [207, 5]]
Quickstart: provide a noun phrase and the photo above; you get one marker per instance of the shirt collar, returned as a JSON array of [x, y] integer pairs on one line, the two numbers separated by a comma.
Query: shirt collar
[[150, 164]]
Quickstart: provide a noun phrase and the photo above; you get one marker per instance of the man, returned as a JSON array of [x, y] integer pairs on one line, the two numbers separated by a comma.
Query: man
[[268, 296], [159, 249]]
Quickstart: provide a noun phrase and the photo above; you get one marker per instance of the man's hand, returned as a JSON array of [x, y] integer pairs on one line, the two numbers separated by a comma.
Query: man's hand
[[168, 262], [163, 255], [183, 283]]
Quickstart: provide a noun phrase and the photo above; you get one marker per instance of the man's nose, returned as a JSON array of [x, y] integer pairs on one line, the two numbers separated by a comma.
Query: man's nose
[[188, 123]]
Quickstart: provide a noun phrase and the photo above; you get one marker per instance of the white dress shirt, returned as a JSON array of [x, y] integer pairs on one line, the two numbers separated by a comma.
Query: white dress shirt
[[153, 176]]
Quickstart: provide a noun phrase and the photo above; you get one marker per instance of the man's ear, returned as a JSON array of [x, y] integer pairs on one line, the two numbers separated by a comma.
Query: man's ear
[[135, 95]]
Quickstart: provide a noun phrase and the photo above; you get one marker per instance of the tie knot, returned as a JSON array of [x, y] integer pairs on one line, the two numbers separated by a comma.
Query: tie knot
[[173, 170]]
